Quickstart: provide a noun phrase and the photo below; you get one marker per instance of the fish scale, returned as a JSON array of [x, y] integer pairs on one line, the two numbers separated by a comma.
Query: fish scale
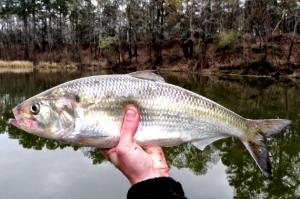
[[88, 111], [177, 104]]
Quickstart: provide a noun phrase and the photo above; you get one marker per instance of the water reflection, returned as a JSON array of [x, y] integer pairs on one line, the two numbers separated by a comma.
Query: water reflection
[[250, 97]]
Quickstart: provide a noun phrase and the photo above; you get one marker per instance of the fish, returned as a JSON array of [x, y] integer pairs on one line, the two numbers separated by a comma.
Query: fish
[[89, 111]]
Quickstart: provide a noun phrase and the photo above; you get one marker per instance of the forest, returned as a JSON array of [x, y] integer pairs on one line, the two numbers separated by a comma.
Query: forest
[[232, 36]]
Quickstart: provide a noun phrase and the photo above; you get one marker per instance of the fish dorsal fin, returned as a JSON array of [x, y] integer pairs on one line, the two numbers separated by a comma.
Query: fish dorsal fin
[[201, 144], [148, 75]]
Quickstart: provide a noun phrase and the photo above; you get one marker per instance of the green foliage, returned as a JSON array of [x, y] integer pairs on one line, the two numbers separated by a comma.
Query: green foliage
[[227, 39], [107, 44]]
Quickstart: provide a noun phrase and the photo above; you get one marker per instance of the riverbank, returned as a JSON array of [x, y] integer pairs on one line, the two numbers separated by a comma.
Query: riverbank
[[281, 57], [243, 56], [15, 64], [21, 66]]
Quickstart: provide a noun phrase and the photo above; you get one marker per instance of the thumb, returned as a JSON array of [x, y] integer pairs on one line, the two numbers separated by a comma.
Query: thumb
[[129, 126]]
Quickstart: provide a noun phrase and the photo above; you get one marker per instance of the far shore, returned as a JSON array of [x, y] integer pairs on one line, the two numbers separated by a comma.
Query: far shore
[[22, 66], [28, 66]]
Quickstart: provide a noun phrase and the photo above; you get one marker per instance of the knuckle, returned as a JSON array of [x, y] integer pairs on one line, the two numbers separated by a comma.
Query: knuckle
[[127, 128]]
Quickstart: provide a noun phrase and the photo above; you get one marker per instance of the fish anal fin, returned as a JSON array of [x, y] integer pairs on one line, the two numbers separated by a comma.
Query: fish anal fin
[[147, 75], [203, 143]]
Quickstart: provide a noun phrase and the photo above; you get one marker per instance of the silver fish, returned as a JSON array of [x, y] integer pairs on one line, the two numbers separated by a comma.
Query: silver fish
[[88, 112]]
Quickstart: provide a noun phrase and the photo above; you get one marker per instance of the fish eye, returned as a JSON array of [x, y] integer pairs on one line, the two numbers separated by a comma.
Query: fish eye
[[35, 108]]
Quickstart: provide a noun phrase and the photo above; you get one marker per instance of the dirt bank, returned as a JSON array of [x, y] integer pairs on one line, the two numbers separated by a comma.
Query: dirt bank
[[281, 57], [244, 56]]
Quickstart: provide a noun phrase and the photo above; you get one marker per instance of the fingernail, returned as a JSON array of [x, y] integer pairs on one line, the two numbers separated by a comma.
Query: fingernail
[[130, 114]]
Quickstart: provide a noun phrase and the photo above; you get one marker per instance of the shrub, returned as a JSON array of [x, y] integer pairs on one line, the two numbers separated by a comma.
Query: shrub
[[227, 39], [107, 44]]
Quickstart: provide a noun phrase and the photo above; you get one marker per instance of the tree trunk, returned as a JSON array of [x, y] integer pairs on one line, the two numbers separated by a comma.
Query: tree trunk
[[33, 41], [159, 33], [135, 54], [292, 42], [24, 6], [44, 35]]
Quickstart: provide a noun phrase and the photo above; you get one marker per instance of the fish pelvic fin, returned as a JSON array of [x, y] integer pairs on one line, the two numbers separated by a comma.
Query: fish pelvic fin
[[255, 141]]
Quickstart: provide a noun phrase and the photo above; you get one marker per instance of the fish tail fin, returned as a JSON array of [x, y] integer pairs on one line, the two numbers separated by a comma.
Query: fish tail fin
[[255, 141], [272, 126]]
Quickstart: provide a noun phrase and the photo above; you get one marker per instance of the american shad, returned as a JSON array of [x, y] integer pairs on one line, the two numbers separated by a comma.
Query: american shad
[[88, 112]]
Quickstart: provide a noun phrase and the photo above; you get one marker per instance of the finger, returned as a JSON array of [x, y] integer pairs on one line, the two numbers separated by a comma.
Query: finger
[[157, 155], [106, 152], [129, 126], [111, 155]]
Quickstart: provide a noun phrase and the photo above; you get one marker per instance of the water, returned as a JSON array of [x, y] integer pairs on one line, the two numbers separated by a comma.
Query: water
[[37, 168]]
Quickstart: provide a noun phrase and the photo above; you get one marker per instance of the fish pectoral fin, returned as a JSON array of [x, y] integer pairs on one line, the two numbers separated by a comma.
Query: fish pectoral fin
[[148, 75], [201, 144]]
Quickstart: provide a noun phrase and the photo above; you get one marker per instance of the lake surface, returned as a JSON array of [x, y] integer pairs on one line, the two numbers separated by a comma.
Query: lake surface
[[37, 168]]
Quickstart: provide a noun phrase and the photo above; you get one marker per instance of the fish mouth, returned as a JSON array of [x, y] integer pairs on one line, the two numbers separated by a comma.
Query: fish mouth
[[20, 122], [13, 122], [24, 121], [26, 125]]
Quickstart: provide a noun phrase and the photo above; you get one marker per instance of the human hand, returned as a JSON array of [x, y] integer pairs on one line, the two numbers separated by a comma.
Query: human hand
[[136, 163]]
